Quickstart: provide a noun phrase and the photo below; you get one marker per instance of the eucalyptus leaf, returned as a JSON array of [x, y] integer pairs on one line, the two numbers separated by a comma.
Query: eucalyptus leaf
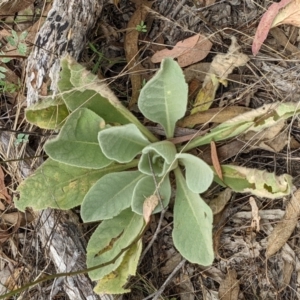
[[164, 97], [192, 233], [114, 282], [110, 195], [108, 240], [257, 182], [122, 143], [145, 188], [255, 120], [199, 176], [77, 144], [50, 113], [158, 158], [59, 185]]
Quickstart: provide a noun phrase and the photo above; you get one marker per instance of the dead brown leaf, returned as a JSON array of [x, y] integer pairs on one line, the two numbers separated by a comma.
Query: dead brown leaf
[[283, 12], [287, 271], [186, 287], [221, 66], [171, 263], [285, 227], [217, 204], [180, 48], [229, 287], [273, 138], [2, 206], [216, 115], [255, 216], [197, 71], [3, 190], [188, 51], [17, 217], [148, 207], [289, 14], [215, 159], [9, 7], [132, 49]]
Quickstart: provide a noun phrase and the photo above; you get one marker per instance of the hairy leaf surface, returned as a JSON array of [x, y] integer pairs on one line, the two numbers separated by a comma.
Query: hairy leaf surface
[[199, 176], [146, 188], [109, 196], [114, 282], [192, 233], [59, 185], [77, 144], [109, 239], [164, 98]]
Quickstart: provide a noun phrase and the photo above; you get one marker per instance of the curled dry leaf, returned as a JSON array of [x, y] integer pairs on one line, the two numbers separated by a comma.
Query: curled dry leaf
[[255, 216], [285, 227], [188, 51], [221, 66], [148, 207], [217, 204], [284, 12], [273, 138]]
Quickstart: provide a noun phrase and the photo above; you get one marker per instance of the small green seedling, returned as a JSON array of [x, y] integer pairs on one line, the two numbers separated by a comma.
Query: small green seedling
[[142, 27], [2, 73], [21, 138], [18, 41]]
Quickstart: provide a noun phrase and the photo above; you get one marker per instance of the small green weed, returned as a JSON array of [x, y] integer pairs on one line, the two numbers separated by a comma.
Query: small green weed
[[22, 138], [18, 41], [142, 27]]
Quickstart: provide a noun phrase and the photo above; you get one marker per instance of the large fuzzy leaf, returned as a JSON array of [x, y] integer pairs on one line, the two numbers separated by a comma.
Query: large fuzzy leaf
[[59, 185], [109, 196], [114, 282], [122, 143], [80, 88], [48, 114], [164, 98], [77, 142], [192, 233], [198, 173], [109, 239]]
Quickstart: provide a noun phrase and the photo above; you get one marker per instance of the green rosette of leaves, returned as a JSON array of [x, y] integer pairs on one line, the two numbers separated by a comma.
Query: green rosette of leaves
[[112, 170]]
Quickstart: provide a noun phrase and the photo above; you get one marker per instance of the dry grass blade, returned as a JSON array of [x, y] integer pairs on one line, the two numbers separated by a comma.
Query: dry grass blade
[[255, 216]]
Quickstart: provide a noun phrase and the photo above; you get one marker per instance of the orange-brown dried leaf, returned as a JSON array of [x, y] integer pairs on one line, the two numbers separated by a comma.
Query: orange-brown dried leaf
[[3, 190], [215, 159], [283, 230], [197, 53], [132, 49], [188, 51], [180, 48]]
